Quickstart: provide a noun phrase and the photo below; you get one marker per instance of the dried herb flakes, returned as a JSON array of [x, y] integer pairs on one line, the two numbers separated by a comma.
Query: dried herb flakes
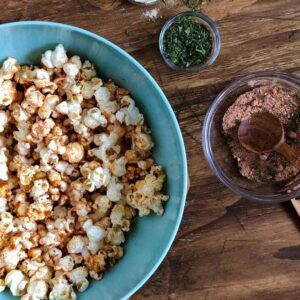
[[187, 43]]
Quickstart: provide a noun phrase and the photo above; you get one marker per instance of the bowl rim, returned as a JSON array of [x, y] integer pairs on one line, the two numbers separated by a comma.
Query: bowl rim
[[206, 132], [171, 113]]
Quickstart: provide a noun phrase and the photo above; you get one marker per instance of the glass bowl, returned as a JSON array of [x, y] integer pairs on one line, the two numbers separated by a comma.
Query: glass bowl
[[218, 154], [214, 32], [143, 4]]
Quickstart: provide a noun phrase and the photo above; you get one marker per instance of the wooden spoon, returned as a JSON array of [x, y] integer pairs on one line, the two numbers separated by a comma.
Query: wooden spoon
[[263, 132]]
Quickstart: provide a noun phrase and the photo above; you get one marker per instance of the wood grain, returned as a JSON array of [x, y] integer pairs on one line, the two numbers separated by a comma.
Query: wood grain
[[227, 247]]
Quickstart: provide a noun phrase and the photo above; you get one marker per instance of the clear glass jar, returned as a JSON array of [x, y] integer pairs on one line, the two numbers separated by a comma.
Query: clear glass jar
[[214, 32], [217, 151]]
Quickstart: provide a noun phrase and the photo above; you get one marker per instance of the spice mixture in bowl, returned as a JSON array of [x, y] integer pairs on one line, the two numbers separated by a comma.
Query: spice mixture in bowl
[[190, 41], [266, 177], [281, 102]]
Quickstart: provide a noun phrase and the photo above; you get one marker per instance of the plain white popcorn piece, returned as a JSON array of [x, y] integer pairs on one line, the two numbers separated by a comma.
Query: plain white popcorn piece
[[56, 58], [75, 168], [95, 235], [16, 282]]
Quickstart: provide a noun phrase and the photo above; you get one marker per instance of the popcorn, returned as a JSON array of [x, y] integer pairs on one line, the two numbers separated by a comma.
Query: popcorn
[[62, 290], [95, 235], [3, 164], [3, 120], [74, 153], [92, 118], [118, 167], [115, 236], [66, 263], [56, 58], [121, 216], [77, 244], [17, 282], [9, 68], [6, 222], [88, 88], [103, 96], [130, 114], [95, 175], [78, 278], [48, 106], [75, 167], [142, 141], [8, 92], [36, 289], [114, 190], [33, 100]]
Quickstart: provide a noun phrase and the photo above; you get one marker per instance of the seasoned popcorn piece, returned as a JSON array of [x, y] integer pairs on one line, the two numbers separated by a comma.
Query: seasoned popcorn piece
[[9, 68], [78, 277], [66, 263], [114, 190], [115, 236], [74, 153], [33, 100], [96, 265], [92, 118], [19, 114], [62, 290], [8, 92], [6, 223], [118, 167], [77, 244], [2, 285], [129, 113], [101, 204], [71, 108], [121, 216], [142, 141], [16, 282], [95, 175], [88, 71], [88, 88], [36, 289], [41, 208], [48, 106]]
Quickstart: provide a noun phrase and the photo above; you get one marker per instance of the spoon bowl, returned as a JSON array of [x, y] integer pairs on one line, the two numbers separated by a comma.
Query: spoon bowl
[[263, 132]]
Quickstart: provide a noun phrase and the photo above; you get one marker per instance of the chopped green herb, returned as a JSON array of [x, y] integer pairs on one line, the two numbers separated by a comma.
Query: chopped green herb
[[193, 4], [126, 32], [188, 43]]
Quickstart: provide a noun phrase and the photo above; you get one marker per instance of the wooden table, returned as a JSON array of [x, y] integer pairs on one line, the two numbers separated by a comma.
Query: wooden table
[[227, 247]]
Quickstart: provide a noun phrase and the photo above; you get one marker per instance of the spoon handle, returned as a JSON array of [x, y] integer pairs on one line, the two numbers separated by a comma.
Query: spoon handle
[[290, 154]]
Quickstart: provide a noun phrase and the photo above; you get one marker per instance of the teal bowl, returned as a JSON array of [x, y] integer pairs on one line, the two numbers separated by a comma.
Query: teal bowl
[[151, 237]]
